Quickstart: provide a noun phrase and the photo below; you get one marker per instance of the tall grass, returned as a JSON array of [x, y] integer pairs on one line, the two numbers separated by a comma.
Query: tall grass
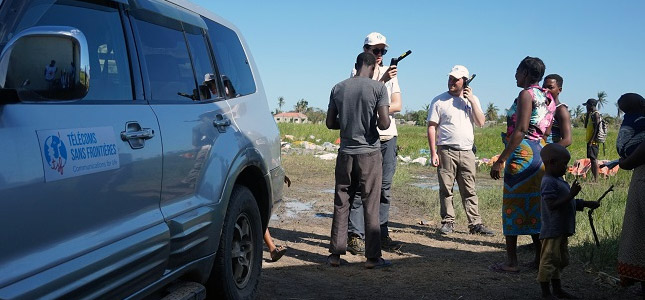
[[414, 138], [608, 218]]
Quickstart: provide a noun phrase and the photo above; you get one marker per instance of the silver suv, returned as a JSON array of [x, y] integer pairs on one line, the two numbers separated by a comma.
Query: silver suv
[[137, 151]]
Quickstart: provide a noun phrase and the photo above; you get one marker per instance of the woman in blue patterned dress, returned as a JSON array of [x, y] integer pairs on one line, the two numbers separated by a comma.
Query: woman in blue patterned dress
[[527, 121]]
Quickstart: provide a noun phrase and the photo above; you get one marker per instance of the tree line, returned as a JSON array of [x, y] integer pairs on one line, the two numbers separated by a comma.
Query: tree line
[[492, 112]]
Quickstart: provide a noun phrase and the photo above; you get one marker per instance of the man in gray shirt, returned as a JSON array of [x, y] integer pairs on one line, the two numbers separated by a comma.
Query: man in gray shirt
[[356, 106]]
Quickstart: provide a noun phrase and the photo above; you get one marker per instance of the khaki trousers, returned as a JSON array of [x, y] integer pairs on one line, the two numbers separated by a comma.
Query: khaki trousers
[[460, 165]]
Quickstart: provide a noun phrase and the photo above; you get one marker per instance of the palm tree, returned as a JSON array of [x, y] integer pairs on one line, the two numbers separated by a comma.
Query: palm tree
[[579, 111], [301, 106], [602, 99], [491, 112], [280, 103]]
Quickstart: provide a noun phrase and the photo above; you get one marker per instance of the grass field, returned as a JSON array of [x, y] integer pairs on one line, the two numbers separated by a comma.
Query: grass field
[[607, 219]]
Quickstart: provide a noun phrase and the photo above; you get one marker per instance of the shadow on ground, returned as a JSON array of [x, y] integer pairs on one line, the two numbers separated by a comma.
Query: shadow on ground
[[433, 267]]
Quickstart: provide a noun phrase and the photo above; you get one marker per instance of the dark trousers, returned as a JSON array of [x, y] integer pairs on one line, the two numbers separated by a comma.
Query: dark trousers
[[388, 151], [359, 172]]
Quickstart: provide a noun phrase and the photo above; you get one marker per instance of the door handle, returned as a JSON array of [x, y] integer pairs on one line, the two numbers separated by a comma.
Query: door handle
[[135, 135], [221, 123], [145, 134]]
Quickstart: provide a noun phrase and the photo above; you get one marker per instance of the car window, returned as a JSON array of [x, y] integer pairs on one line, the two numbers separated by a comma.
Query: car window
[[53, 74], [167, 61], [231, 60], [201, 61]]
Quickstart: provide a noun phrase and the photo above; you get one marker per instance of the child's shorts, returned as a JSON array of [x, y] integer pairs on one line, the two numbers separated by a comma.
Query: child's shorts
[[553, 258]]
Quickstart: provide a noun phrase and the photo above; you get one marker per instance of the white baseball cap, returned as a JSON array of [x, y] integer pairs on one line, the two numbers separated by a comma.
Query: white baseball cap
[[209, 77], [458, 71], [375, 38]]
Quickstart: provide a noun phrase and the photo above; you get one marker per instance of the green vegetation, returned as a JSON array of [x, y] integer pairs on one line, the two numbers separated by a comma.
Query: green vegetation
[[414, 138], [607, 219]]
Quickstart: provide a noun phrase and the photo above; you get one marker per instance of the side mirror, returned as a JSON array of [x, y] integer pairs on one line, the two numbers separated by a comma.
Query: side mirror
[[45, 63]]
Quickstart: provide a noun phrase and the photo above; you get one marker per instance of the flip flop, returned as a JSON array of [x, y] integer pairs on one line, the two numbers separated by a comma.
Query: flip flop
[[382, 263], [500, 268], [277, 253], [333, 261]]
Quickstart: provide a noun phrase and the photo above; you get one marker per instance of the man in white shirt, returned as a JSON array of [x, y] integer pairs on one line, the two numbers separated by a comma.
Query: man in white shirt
[[450, 135], [375, 43]]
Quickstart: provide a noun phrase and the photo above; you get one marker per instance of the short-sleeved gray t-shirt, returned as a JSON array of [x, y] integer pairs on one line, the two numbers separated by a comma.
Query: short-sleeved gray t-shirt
[[561, 221], [356, 99]]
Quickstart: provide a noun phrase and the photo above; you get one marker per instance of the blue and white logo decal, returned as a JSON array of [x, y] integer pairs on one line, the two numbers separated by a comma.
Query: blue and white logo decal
[[55, 153], [78, 151]]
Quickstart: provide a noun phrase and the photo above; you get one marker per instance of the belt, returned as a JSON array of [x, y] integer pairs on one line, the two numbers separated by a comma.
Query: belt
[[451, 148]]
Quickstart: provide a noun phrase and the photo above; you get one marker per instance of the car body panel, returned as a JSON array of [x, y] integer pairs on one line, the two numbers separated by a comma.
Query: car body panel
[[72, 218]]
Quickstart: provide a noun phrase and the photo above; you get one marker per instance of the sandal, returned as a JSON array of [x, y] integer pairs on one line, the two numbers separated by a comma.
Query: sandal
[[277, 253]]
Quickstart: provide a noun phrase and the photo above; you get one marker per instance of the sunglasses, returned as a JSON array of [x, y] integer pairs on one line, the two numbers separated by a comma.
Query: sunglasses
[[376, 51]]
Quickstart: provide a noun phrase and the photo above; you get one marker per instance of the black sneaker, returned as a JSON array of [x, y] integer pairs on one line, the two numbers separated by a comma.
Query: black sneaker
[[481, 229], [355, 245], [447, 228], [388, 244]]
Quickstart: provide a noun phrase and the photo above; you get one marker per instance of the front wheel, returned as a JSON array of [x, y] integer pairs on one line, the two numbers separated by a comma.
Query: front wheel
[[238, 263]]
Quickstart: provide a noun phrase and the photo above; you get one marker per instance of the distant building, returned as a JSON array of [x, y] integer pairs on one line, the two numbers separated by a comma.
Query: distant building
[[290, 117]]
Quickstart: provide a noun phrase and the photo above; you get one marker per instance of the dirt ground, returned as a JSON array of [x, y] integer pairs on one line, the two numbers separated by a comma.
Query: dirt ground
[[428, 266]]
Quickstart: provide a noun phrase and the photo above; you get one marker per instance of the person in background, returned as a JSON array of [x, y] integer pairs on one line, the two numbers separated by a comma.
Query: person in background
[[209, 81], [631, 247], [357, 106], [560, 130], [50, 75], [527, 120], [276, 252], [376, 44], [592, 121], [632, 129], [450, 136], [558, 209]]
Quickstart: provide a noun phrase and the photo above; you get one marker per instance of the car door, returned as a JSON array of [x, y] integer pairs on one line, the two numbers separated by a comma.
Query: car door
[[199, 139], [81, 160]]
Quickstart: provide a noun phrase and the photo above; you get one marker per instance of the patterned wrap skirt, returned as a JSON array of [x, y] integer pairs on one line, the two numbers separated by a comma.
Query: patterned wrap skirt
[[631, 249], [522, 179]]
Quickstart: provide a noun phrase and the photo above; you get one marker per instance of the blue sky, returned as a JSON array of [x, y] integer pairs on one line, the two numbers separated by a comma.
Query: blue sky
[[303, 48]]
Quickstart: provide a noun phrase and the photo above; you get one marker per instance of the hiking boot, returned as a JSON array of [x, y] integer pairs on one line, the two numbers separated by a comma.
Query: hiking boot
[[480, 229], [388, 244], [355, 245], [447, 228]]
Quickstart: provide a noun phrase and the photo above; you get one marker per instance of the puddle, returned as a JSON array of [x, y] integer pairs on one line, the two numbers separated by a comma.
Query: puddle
[[292, 209], [431, 186], [431, 183], [324, 215]]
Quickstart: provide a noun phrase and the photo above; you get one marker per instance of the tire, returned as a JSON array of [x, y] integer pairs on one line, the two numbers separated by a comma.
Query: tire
[[238, 263]]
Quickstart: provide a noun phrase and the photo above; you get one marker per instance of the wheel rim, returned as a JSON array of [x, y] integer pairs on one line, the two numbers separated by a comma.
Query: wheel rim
[[242, 251]]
